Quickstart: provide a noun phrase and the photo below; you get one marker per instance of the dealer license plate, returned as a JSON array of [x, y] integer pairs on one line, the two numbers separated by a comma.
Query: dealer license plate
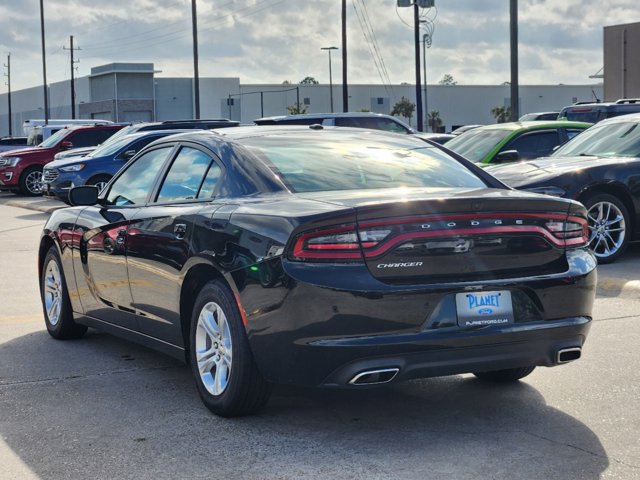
[[477, 309]]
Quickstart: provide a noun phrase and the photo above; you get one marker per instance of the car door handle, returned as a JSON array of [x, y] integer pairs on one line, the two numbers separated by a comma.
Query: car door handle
[[180, 230]]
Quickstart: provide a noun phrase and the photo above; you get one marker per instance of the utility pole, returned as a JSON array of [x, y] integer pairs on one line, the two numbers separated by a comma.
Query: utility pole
[[73, 81], [8, 75], [416, 40], [515, 101], [345, 88], [44, 65], [196, 75], [328, 49]]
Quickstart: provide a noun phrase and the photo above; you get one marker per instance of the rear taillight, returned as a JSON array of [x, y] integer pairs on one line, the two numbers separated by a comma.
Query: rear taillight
[[574, 231], [376, 238], [341, 243]]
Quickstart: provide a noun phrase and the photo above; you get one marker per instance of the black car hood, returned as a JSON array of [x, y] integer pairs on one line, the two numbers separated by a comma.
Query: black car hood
[[541, 169]]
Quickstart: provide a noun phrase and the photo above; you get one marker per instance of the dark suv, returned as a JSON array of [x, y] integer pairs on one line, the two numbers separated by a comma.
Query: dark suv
[[594, 112], [21, 170]]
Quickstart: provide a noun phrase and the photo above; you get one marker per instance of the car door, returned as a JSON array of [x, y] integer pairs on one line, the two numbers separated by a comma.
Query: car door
[[534, 144], [159, 240], [101, 266]]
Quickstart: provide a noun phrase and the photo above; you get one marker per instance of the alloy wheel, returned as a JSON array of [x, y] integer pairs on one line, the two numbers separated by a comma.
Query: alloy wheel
[[33, 182], [53, 292], [100, 185], [606, 229], [213, 348]]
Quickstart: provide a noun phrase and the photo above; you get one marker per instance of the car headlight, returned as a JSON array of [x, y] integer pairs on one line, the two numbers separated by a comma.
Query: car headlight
[[548, 190], [9, 161], [73, 168]]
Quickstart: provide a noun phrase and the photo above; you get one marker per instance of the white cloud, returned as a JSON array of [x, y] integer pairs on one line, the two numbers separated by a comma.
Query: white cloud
[[276, 40]]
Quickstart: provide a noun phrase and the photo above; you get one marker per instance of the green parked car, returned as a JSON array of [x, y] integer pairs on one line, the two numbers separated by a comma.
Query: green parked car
[[509, 142]]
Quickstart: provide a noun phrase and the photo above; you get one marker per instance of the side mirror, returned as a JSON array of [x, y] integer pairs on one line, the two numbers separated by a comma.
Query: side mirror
[[128, 155], [85, 195], [507, 156], [66, 145]]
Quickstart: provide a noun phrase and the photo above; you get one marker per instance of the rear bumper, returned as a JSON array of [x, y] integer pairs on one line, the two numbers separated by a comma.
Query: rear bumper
[[522, 346], [316, 326]]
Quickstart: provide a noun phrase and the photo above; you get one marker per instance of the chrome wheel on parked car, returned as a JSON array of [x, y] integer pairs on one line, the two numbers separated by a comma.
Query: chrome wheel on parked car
[[52, 294], [607, 227], [213, 348], [31, 182]]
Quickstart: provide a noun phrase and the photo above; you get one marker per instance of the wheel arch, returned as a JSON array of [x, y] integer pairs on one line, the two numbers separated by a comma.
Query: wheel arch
[[46, 242], [198, 275], [616, 190]]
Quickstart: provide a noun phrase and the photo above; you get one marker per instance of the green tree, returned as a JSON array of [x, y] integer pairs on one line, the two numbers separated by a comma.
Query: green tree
[[433, 120], [404, 108], [501, 114], [297, 109], [447, 79], [309, 81]]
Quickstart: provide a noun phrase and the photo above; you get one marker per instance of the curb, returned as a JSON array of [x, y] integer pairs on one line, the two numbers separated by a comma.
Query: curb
[[45, 206], [607, 286]]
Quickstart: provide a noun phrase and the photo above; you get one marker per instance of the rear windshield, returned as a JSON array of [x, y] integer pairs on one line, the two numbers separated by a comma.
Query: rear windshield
[[620, 139], [589, 115], [349, 162], [476, 144]]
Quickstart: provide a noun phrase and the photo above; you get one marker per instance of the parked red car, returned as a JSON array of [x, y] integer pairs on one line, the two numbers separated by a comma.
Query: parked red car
[[21, 170]]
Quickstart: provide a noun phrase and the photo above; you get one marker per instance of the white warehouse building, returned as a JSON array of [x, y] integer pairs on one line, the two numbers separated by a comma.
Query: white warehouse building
[[127, 92]]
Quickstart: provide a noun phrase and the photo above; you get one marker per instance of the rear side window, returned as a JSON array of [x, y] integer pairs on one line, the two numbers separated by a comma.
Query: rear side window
[[185, 176], [349, 163]]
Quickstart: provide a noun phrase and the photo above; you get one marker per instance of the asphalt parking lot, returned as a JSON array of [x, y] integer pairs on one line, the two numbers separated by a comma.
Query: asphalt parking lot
[[104, 408]]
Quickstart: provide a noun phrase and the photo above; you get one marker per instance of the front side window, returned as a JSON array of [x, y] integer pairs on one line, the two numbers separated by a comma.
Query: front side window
[[476, 144], [136, 182], [536, 144], [185, 176]]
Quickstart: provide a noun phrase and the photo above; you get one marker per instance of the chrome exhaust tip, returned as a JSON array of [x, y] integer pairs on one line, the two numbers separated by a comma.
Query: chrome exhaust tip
[[374, 377], [566, 355]]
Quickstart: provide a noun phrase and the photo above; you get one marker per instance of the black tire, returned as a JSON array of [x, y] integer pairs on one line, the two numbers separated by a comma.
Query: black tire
[[31, 181], [505, 376], [99, 181], [592, 202], [245, 390], [56, 305]]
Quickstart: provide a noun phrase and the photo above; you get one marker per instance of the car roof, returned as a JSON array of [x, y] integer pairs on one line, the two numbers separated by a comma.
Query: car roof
[[325, 115], [239, 133], [630, 117], [533, 125]]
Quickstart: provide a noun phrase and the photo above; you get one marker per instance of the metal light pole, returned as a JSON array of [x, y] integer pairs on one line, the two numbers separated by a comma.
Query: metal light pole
[[44, 66], [345, 87], [515, 101], [424, 78], [416, 26], [328, 49], [196, 75], [8, 75]]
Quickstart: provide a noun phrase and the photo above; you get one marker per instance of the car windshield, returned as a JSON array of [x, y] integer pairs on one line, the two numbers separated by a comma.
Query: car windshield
[[110, 147], [55, 138], [476, 144], [620, 139], [351, 162]]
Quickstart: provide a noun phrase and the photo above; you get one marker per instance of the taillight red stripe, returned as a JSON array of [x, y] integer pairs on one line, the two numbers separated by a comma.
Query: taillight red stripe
[[467, 216]]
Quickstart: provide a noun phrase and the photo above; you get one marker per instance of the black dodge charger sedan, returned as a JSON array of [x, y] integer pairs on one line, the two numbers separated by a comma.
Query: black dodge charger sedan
[[319, 256], [600, 168]]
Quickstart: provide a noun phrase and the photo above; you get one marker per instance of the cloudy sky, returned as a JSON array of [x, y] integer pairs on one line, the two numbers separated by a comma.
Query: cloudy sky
[[269, 41]]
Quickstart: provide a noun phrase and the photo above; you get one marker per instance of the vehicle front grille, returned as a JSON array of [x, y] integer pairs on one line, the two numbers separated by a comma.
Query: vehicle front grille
[[49, 175]]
